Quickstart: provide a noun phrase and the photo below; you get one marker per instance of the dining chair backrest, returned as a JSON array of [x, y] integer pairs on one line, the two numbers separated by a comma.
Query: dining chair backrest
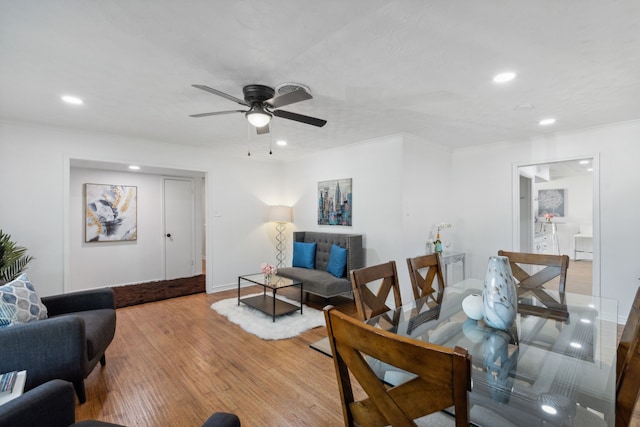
[[628, 366], [371, 288], [439, 384], [425, 271], [554, 266]]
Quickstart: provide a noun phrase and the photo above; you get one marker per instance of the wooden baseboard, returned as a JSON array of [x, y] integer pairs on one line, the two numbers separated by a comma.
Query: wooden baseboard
[[141, 293]]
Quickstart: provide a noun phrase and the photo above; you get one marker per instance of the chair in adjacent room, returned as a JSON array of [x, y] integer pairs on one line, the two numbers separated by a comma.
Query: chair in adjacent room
[[425, 272], [585, 235], [371, 287], [441, 383]]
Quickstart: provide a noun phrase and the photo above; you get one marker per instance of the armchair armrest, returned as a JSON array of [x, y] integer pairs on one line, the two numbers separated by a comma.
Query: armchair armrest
[[47, 349], [51, 404], [222, 419], [93, 299]]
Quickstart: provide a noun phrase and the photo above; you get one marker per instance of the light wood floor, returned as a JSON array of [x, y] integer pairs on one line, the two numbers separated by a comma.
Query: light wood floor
[[579, 278], [175, 362]]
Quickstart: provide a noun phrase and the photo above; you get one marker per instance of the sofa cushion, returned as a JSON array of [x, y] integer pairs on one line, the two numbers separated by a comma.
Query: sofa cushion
[[317, 282], [337, 261], [324, 243], [99, 327], [19, 302], [304, 255]]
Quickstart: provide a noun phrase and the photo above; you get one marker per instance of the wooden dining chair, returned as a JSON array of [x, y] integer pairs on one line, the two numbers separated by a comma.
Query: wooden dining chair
[[627, 375], [425, 273], [371, 288], [554, 266], [439, 384], [628, 366]]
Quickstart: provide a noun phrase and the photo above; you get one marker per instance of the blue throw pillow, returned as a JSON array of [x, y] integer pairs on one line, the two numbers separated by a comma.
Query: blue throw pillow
[[304, 255], [337, 261]]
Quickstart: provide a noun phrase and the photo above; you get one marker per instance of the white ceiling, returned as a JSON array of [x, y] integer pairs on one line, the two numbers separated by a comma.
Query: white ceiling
[[374, 67]]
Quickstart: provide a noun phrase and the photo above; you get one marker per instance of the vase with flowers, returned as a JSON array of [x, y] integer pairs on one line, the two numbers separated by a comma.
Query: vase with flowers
[[437, 243], [269, 271], [548, 217]]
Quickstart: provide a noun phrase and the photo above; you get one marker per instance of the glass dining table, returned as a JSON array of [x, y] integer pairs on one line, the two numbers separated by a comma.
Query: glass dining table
[[554, 366]]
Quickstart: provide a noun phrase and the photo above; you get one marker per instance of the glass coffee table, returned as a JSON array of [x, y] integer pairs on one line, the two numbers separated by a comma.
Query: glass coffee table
[[269, 304]]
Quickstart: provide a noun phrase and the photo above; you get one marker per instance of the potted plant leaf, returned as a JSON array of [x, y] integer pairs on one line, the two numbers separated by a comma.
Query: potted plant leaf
[[13, 258]]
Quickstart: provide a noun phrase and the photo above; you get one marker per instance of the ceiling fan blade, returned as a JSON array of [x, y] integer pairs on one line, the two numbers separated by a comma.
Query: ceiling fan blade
[[217, 113], [288, 98], [300, 118], [222, 94], [263, 130]]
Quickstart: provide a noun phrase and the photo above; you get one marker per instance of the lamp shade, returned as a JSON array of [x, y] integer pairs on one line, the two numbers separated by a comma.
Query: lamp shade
[[258, 117], [279, 214]]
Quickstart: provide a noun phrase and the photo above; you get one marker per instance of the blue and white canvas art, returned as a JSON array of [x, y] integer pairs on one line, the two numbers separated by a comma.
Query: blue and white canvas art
[[111, 213], [552, 202]]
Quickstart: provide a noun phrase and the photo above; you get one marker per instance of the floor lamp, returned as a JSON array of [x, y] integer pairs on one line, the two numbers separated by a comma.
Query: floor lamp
[[281, 215]]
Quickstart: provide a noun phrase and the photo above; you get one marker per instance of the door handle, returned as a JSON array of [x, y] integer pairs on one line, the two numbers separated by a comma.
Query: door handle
[[169, 235]]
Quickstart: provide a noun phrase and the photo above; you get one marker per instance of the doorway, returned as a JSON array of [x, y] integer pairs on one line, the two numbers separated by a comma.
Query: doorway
[[573, 185]]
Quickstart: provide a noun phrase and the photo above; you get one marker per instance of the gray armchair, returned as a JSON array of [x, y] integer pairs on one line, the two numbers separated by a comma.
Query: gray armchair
[[52, 404], [67, 345]]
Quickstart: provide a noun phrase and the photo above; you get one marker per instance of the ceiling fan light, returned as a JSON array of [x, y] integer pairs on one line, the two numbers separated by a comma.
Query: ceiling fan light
[[258, 117]]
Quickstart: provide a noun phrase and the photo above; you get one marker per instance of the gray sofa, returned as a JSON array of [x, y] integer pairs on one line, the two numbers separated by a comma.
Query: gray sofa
[[318, 281], [67, 345]]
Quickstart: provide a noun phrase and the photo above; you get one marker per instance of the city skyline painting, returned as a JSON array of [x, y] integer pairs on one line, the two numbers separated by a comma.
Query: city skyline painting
[[335, 205]]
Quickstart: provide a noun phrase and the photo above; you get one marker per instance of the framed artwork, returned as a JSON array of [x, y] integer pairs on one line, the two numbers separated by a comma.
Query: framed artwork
[[335, 205], [551, 202], [111, 213]]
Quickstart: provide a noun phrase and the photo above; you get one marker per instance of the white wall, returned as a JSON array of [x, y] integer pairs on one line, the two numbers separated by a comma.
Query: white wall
[[482, 179], [400, 192], [470, 188], [93, 264], [35, 198]]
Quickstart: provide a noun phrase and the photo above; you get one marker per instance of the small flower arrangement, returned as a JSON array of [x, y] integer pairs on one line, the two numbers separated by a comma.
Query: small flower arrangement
[[437, 244], [440, 226], [443, 225], [268, 269], [548, 217]]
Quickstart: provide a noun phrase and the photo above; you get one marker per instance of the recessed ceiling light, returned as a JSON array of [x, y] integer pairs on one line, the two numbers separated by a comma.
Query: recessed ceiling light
[[281, 142], [590, 170], [504, 77], [134, 167], [546, 122], [72, 100], [584, 162]]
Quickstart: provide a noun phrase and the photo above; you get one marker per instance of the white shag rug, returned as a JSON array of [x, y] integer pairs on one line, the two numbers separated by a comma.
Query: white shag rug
[[262, 325]]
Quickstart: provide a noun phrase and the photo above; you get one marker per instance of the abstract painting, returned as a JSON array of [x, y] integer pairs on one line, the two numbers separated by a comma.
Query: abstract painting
[[111, 213], [551, 202], [335, 206]]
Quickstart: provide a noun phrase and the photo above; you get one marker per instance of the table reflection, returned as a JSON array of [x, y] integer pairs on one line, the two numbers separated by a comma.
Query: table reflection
[[500, 358], [559, 353]]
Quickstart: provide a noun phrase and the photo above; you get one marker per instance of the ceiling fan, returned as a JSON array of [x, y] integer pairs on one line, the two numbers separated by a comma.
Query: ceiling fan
[[263, 105]]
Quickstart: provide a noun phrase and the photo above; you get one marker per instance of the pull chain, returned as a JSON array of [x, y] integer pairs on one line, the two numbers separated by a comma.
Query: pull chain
[[248, 139]]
